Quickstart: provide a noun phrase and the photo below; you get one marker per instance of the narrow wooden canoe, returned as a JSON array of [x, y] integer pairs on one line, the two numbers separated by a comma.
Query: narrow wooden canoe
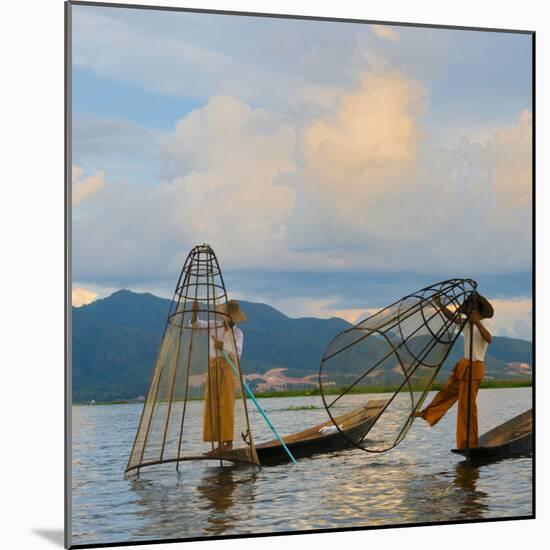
[[354, 425], [513, 438]]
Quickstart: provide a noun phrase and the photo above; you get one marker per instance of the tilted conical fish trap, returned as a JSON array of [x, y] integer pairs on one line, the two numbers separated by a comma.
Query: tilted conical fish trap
[[195, 407], [391, 359]]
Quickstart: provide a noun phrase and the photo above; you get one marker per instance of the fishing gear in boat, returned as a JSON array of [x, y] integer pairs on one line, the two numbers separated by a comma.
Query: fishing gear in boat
[[196, 401], [398, 351]]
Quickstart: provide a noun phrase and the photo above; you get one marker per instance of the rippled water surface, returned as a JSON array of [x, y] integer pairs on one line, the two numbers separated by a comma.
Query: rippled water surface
[[419, 481]]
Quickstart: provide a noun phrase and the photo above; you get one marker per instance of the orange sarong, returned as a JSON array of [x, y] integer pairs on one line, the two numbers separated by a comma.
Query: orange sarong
[[219, 402], [456, 388]]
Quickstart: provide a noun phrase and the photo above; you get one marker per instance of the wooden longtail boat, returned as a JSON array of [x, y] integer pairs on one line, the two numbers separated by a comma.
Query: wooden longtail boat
[[512, 438], [354, 425]]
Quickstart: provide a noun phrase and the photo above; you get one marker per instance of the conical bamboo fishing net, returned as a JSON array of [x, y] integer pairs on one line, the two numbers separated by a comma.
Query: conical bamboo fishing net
[[397, 352], [195, 407]]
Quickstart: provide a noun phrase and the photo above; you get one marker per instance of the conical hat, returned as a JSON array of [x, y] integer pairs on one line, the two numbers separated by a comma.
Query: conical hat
[[484, 307], [232, 309]]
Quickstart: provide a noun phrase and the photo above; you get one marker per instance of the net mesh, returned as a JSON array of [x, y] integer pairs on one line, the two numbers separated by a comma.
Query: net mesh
[[397, 352], [195, 407]]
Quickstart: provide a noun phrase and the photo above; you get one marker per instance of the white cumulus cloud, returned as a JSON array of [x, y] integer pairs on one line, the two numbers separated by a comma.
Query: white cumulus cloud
[[358, 186], [375, 192], [84, 187], [222, 166], [385, 31], [82, 296], [512, 318]]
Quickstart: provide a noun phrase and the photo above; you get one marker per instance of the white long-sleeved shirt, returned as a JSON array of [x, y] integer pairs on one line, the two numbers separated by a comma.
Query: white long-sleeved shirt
[[218, 331], [479, 344]]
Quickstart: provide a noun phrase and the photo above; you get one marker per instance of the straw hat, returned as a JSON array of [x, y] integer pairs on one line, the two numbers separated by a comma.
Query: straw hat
[[484, 307], [233, 309]]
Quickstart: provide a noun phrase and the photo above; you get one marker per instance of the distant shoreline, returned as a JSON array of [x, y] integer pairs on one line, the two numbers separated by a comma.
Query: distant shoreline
[[486, 384]]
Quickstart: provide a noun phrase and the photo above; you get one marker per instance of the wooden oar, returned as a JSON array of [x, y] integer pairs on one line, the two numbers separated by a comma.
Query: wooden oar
[[258, 406]]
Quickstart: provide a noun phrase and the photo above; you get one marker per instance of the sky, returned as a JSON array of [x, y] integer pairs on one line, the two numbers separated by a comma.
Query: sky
[[333, 167]]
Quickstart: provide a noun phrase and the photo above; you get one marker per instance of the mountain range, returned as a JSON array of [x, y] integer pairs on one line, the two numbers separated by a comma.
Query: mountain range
[[115, 341]]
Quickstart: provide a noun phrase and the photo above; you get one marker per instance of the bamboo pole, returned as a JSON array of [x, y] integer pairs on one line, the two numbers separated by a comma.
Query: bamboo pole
[[469, 415]]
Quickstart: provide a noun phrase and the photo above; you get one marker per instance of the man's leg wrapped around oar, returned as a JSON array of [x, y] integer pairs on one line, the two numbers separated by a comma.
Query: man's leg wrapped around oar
[[456, 389]]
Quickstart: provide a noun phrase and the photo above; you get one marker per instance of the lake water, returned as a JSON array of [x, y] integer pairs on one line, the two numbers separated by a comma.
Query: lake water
[[418, 481]]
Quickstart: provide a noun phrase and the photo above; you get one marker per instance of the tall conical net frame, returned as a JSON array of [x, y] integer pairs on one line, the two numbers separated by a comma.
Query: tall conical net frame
[[195, 407], [393, 357]]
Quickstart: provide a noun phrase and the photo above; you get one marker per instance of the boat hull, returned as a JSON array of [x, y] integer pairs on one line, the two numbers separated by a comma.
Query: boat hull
[[353, 426], [273, 455], [514, 438]]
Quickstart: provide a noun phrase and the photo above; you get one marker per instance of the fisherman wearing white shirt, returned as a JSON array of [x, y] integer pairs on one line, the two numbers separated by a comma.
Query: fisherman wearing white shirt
[[220, 335], [220, 388], [457, 387]]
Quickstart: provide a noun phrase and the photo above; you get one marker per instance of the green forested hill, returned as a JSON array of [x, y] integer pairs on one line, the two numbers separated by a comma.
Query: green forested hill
[[115, 342]]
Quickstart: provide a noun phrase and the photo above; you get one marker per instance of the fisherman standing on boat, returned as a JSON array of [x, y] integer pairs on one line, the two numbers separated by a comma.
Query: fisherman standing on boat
[[456, 387], [219, 398]]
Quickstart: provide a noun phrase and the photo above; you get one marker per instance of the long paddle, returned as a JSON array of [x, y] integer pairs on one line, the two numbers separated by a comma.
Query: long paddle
[[258, 406]]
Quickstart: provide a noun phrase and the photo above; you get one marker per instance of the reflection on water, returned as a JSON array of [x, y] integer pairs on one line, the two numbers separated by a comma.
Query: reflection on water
[[419, 481], [472, 501], [170, 504], [218, 489]]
